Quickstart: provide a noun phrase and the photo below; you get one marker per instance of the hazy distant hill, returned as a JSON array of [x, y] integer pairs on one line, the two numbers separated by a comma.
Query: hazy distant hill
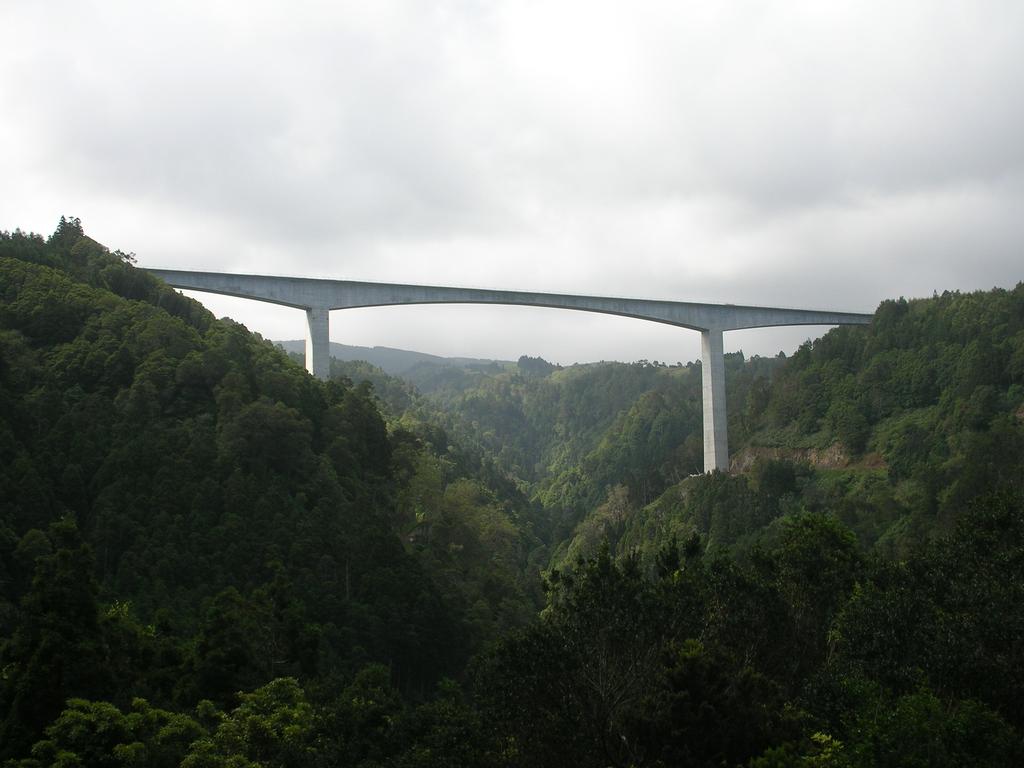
[[393, 361]]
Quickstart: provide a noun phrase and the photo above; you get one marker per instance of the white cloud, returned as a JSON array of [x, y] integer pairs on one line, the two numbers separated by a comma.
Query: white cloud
[[797, 153]]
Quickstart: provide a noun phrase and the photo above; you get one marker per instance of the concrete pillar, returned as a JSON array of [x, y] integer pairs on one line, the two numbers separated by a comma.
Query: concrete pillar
[[716, 435], [318, 342]]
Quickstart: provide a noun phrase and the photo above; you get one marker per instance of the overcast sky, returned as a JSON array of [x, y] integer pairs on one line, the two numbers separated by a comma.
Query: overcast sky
[[801, 154]]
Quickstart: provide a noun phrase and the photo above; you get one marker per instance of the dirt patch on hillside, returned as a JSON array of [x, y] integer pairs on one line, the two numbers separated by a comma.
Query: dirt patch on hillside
[[832, 457]]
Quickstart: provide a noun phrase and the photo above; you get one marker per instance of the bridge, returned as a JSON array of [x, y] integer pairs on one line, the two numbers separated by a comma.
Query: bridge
[[318, 297]]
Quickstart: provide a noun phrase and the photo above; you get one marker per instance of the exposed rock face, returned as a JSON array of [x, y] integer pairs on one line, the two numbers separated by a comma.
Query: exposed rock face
[[834, 456]]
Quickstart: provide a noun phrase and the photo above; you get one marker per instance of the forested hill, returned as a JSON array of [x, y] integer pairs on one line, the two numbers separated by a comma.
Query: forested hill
[[895, 427], [210, 559], [851, 595], [568, 435], [185, 513]]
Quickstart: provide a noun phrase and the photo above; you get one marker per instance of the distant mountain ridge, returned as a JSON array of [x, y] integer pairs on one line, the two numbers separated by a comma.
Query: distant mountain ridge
[[390, 360]]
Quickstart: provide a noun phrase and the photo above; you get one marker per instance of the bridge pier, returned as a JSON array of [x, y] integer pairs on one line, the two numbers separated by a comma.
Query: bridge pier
[[318, 342], [716, 433]]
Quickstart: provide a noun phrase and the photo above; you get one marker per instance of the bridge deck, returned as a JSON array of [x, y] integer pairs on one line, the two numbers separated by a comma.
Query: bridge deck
[[311, 293]]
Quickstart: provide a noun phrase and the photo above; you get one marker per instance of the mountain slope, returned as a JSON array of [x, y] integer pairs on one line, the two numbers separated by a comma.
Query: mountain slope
[[185, 514], [215, 516], [895, 428]]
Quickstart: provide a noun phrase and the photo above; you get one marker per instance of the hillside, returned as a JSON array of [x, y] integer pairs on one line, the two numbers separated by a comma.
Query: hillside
[[208, 558], [201, 516], [895, 428], [568, 435]]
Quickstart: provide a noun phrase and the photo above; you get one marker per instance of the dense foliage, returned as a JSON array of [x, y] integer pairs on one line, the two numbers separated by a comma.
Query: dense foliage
[[572, 438], [208, 558], [185, 514], [809, 654], [893, 427]]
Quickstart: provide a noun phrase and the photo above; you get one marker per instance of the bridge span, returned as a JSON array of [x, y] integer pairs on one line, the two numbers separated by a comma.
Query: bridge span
[[318, 297]]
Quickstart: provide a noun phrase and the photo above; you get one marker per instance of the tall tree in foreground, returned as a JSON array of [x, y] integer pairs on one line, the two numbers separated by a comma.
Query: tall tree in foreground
[[56, 652]]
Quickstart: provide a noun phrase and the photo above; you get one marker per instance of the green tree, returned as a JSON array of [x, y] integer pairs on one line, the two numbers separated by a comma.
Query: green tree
[[571, 686], [97, 734], [56, 652], [273, 727], [706, 713]]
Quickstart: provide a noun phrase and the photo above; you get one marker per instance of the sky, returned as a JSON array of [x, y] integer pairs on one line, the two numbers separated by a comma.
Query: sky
[[822, 155]]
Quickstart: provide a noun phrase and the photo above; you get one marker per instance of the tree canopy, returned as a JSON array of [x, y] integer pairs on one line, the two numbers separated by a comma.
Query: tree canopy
[[210, 558]]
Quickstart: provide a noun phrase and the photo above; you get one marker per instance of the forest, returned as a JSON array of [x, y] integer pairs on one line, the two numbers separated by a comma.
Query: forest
[[209, 558]]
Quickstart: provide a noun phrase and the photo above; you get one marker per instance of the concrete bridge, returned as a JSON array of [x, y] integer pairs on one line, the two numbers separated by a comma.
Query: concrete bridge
[[319, 297]]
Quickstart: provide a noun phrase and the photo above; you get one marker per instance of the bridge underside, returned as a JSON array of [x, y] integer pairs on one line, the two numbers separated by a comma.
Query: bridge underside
[[319, 297]]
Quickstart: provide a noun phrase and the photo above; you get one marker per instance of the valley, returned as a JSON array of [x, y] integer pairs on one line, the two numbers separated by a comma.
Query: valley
[[209, 557]]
